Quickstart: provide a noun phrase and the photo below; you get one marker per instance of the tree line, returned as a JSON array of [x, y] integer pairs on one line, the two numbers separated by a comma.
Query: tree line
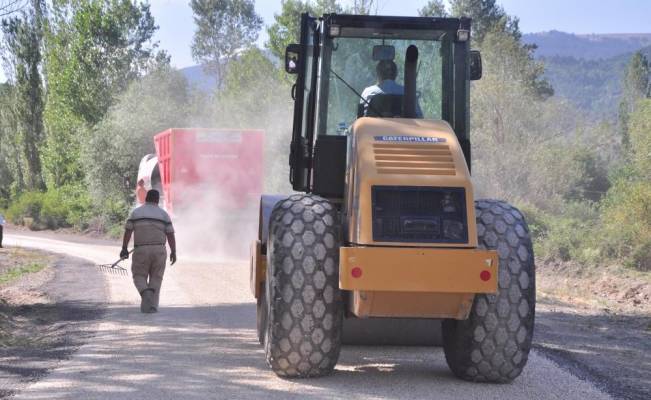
[[89, 88]]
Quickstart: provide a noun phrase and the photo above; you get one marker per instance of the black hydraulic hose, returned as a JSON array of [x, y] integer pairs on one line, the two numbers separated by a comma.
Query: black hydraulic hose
[[411, 64]]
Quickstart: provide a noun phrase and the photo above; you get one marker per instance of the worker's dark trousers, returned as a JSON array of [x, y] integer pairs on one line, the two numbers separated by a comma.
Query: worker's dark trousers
[[0, 235]]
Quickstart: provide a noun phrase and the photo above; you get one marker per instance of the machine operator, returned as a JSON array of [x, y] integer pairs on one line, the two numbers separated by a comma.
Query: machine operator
[[386, 72]]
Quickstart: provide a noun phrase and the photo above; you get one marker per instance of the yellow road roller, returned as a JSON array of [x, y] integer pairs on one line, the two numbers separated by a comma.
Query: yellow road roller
[[383, 223]]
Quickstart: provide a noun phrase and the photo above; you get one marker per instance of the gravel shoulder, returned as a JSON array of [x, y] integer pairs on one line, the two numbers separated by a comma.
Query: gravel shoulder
[[596, 323], [44, 316]]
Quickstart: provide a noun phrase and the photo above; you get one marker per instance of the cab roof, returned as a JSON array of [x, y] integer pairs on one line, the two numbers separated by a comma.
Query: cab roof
[[398, 23]]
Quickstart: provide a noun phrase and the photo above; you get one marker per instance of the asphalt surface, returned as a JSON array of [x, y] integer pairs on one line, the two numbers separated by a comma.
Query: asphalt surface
[[202, 345]]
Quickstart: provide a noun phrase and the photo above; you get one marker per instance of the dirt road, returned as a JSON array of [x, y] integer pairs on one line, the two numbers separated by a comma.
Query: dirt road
[[202, 345]]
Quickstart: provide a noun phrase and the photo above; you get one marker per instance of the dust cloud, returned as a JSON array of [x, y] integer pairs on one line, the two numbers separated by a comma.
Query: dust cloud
[[217, 220], [210, 230]]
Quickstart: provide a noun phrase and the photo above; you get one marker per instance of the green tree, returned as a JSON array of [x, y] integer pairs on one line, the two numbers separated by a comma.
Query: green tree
[[489, 17], [224, 28], [286, 27], [626, 210], [95, 48], [636, 78], [116, 144], [433, 8], [24, 38], [251, 88], [635, 87], [486, 15], [524, 150], [640, 129], [11, 166]]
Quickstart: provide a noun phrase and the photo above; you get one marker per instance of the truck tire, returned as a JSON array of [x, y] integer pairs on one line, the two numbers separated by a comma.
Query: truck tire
[[305, 305], [493, 344]]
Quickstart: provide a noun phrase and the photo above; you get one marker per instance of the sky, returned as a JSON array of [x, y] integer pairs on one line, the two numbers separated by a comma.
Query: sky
[[174, 17], [176, 25]]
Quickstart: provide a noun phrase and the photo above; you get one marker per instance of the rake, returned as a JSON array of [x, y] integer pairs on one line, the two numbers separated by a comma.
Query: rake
[[114, 268]]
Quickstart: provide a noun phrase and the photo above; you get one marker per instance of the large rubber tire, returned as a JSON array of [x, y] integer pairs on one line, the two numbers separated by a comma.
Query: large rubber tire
[[305, 306], [261, 315], [493, 344]]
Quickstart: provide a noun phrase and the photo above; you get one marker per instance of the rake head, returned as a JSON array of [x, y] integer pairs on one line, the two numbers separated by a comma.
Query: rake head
[[114, 268]]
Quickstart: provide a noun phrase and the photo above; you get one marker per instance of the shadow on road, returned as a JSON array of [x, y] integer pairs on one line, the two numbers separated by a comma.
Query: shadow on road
[[35, 337]]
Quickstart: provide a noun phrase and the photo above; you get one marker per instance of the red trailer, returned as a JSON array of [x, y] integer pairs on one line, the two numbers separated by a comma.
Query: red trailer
[[221, 166]]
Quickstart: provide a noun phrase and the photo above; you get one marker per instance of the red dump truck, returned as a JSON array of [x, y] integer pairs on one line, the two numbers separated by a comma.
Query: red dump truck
[[221, 167]]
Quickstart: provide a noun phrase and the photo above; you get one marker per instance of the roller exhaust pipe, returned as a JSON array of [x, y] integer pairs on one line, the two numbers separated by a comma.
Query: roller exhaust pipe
[[409, 99]]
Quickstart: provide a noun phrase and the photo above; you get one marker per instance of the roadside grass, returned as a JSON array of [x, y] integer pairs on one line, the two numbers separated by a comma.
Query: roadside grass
[[15, 273], [16, 262]]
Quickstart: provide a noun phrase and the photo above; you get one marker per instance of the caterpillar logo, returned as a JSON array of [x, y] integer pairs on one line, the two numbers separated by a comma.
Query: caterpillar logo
[[410, 139]]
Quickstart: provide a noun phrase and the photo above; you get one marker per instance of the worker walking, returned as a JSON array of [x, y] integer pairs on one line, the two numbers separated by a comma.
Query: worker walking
[[151, 227]]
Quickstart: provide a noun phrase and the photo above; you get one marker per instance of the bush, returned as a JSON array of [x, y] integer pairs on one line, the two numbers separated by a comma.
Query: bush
[[26, 210], [115, 231], [68, 206], [110, 213], [53, 211], [116, 144], [571, 233], [78, 205], [626, 219], [640, 258]]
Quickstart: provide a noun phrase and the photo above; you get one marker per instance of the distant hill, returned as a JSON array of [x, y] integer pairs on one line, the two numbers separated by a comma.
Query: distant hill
[[588, 69], [585, 69], [588, 47]]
